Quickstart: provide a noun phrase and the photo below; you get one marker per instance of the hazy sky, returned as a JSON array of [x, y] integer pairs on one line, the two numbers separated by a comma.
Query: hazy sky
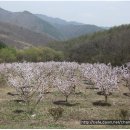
[[99, 13]]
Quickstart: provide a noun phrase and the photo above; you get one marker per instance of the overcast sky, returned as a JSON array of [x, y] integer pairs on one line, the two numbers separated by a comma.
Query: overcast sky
[[98, 13]]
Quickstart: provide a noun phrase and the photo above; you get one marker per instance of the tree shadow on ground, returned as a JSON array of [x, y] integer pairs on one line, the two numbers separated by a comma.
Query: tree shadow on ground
[[91, 88], [47, 92], [64, 103], [78, 93], [12, 94], [126, 94], [19, 101], [18, 111], [102, 93], [101, 103]]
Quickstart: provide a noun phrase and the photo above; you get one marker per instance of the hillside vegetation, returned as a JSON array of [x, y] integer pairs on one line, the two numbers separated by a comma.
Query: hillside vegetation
[[32, 54], [112, 46], [27, 30], [19, 37]]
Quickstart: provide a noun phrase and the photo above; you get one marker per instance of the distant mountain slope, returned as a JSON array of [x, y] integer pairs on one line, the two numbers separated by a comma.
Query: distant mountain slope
[[112, 45], [28, 20], [54, 27], [70, 30], [59, 21], [73, 31], [20, 37]]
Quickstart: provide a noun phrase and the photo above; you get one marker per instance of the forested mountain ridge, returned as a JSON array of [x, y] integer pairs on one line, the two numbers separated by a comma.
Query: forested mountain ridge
[[112, 45], [70, 30]]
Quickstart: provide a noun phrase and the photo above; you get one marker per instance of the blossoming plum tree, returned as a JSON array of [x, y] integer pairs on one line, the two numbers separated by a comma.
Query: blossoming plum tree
[[106, 79], [67, 78], [103, 76], [29, 80]]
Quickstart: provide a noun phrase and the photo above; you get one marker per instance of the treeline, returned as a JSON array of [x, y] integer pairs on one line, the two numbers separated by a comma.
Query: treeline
[[33, 54], [112, 45]]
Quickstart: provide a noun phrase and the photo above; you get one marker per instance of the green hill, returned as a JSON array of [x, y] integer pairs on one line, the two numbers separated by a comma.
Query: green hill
[[112, 45]]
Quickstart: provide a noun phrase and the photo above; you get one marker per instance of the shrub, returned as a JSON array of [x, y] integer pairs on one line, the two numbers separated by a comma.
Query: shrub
[[7, 55], [124, 114], [56, 113], [39, 55], [2, 45]]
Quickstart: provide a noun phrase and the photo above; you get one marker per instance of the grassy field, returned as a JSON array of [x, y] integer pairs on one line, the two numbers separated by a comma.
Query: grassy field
[[81, 107]]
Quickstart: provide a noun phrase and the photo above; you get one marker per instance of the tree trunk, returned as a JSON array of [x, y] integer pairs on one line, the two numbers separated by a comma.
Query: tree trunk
[[66, 99], [105, 98]]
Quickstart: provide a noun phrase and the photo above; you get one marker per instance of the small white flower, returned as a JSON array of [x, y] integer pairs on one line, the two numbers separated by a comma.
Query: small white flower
[[33, 115]]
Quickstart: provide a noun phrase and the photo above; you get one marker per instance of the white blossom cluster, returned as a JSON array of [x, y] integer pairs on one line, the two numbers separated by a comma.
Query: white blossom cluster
[[64, 75], [103, 76], [126, 75], [2, 68], [67, 78]]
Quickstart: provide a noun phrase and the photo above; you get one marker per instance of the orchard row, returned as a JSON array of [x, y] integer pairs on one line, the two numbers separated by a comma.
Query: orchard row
[[33, 80]]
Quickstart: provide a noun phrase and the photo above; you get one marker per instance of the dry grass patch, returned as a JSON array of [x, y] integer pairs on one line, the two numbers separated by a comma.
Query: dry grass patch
[[72, 114]]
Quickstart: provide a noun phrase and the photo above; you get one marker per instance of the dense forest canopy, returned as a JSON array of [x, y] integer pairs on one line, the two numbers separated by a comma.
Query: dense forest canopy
[[111, 45]]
